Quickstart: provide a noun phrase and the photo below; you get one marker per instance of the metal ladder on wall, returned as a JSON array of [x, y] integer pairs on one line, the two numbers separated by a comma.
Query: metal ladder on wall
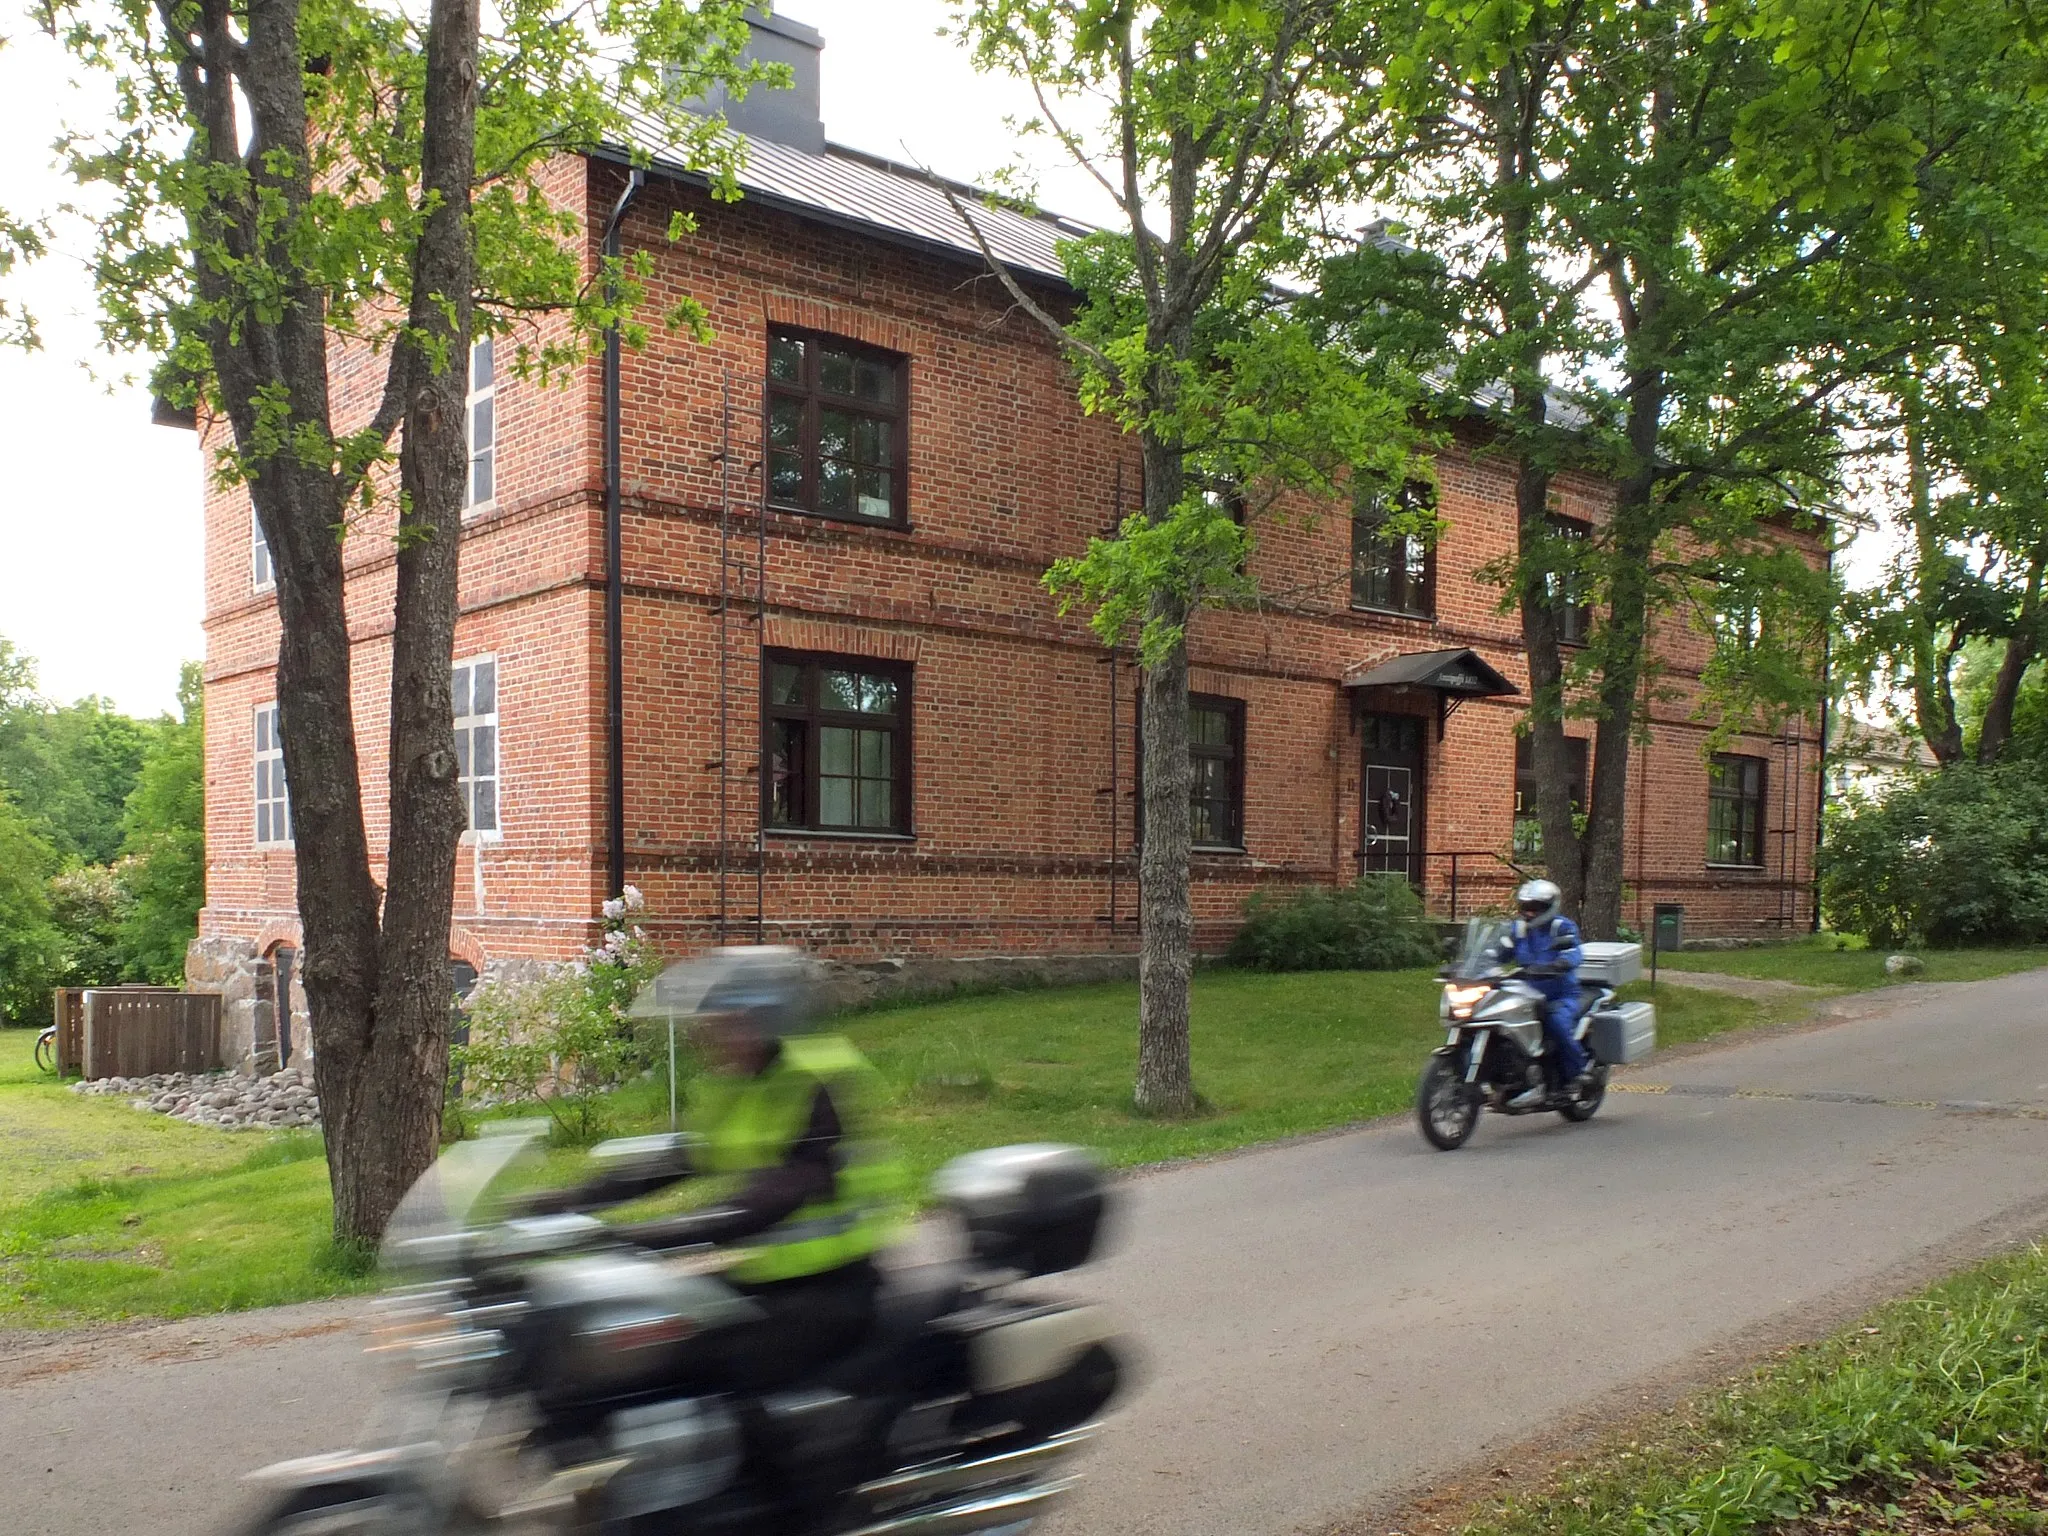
[[742, 607]]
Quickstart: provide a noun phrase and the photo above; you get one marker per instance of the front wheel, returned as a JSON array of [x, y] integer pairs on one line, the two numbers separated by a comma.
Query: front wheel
[[46, 1051], [1585, 1104], [1446, 1109]]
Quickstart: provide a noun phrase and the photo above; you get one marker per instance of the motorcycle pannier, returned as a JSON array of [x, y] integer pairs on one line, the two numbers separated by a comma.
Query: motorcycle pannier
[[1032, 1209], [1625, 1033]]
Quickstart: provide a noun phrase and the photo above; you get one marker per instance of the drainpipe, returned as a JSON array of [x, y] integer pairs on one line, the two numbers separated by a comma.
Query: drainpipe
[[614, 580]]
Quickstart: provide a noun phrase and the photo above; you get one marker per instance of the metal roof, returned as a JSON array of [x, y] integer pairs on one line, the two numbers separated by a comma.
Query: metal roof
[[895, 202], [1461, 671]]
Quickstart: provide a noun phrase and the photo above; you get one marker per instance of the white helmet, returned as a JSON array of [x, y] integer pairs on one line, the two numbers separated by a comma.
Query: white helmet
[[1539, 901]]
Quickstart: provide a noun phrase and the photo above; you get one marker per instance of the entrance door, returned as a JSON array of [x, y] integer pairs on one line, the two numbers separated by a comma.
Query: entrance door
[[1392, 789]]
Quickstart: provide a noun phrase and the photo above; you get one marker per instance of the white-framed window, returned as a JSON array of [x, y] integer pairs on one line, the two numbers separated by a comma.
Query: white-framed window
[[262, 572], [483, 423], [476, 741], [273, 800]]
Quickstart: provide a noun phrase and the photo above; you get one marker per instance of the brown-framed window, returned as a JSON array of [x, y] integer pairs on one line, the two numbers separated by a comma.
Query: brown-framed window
[[1528, 842], [1735, 810], [837, 427], [1568, 590], [1216, 789], [1216, 753], [835, 752], [1395, 573]]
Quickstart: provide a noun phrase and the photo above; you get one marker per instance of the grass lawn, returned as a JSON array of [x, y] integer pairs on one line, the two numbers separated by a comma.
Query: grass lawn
[[201, 1220], [1905, 1412], [1828, 960]]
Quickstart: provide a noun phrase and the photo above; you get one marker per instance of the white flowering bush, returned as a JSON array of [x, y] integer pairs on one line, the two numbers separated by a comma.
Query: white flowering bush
[[562, 1039]]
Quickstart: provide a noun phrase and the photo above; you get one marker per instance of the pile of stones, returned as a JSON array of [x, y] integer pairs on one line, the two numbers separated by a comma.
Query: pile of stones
[[225, 1100]]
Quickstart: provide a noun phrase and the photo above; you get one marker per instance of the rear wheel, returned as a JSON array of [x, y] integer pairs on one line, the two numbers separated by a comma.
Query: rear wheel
[[1585, 1104], [46, 1051], [1446, 1109]]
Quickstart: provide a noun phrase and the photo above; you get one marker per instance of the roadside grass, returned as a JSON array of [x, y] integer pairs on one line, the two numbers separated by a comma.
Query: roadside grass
[[1849, 964], [227, 1220], [1925, 1394]]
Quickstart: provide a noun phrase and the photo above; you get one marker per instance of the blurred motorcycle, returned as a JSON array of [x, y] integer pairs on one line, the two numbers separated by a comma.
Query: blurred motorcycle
[[554, 1376]]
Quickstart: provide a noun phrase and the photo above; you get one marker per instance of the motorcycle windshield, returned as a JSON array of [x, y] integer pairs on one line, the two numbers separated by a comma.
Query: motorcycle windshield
[[1478, 954], [440, 1203]]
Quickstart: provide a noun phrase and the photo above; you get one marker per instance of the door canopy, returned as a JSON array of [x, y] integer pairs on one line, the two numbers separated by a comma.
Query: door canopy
[[1462, 674]]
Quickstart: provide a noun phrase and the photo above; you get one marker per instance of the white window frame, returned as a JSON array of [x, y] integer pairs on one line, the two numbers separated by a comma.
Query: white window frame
[[481, 397], [262, 568], [467, 725], [267, 751]]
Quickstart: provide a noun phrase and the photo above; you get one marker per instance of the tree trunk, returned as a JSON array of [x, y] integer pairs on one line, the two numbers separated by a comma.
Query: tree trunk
[[2021, 647], [1934, 703], [392, 1077]]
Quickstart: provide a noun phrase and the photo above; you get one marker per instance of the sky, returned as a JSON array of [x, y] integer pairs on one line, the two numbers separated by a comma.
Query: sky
[[100, 539], [100, 557]]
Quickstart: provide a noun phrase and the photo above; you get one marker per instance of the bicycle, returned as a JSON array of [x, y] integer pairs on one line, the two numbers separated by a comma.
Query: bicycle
[[46, 1049]]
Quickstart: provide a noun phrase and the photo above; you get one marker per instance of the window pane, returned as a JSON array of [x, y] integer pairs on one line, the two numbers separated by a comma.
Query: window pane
[[485, 818], [486, 673], [483, 418], [481, 488], [785, 683], [835, 487], [1202, 824], [874, 380], [786, 358], [873, 441], [462, 754], [1208, 727], [877, 695], [835, 750], [835, 370], [785, 423], [839, 690], [262, 821], [874, 754], [835, 434], [835, 802], [786, 774], [458, 692], [483, 751], [483, 355], [876, 500], [262, 778], [262, 730], [785, 478], [877, 803]]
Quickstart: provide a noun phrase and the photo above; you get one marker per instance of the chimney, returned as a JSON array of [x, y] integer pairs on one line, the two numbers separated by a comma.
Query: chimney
[[781, 115]]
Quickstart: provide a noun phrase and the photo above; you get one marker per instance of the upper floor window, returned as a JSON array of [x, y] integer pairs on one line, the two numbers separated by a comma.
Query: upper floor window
[[1528, 839], [262, 571], [1216, 753], [836, 754], [1394, 572], [475, 695], [1568, 590], [837, 435], [273, 800], [483, 423], [1735, 810]]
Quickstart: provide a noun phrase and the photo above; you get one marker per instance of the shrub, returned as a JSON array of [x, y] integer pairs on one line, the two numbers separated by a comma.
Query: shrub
[[561, 1039], [1956, 857], [1376, 924]]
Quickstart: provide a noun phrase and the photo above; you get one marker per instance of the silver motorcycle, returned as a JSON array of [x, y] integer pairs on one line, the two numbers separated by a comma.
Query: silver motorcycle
[[550, 1376], [1496, 1054]]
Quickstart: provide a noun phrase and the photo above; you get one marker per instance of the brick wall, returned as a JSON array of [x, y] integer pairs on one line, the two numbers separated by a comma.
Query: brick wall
[[1023, 809]]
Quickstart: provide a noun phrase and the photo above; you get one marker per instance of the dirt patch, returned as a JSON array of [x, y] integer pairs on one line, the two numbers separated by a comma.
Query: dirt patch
[[2009, 1494], [1756, 988], [28, 1356]]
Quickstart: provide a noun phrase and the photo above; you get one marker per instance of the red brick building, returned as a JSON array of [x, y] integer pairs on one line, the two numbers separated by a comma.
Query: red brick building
[[861, 654]]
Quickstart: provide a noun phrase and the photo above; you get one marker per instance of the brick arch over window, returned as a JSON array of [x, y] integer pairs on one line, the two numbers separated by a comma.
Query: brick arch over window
[[466, 947], [273, 934], [854, 324], [787, 634]]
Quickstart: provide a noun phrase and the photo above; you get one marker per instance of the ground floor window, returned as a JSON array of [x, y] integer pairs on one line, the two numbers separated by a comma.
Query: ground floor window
[[1735, 810], [836, 744], [474, 689], [1216, 753]]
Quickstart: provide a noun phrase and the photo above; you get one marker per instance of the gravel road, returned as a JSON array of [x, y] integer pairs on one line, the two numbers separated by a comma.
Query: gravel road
[[1328, 1325]]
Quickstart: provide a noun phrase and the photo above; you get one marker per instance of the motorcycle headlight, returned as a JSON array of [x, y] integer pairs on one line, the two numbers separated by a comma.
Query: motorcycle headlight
[[1460, 1001]]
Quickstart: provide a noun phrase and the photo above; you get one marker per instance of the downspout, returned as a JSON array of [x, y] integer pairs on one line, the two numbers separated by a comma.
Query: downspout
[[614, 578]]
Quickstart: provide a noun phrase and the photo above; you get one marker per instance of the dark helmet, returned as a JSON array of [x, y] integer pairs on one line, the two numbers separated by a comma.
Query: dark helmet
[[1539, 901], [771, 988]]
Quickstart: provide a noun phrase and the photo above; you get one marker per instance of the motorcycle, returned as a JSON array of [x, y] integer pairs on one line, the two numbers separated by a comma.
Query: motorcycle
[[1496, 1049], [551, 1374]]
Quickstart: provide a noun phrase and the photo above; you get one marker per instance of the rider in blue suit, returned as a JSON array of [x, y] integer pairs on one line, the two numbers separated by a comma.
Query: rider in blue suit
[[1546, 945]]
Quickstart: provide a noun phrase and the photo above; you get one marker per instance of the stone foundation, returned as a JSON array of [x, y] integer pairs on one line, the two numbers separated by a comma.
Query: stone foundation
[[248, 1043], [855, 984]]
